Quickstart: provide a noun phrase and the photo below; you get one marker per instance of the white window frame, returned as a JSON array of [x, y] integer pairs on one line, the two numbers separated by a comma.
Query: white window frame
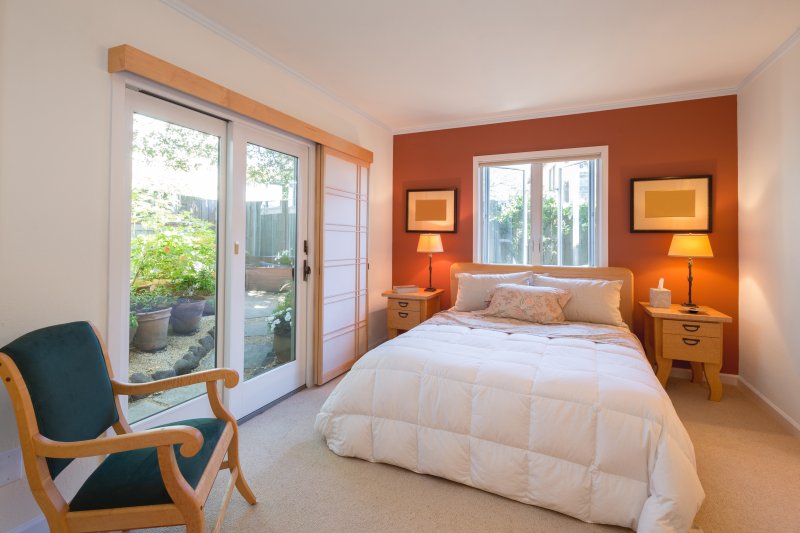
[[601, 194]]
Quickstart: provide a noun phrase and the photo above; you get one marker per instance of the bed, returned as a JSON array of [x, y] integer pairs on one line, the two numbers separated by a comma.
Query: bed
[[568, 416]]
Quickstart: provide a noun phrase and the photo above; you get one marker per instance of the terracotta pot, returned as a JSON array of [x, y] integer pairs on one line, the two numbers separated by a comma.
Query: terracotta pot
[[152, 333], [186, 316], [132, 333], [282, 346]]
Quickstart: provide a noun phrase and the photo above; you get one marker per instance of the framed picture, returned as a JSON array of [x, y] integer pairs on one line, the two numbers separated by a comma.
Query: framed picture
[[432, 210], [671, 204]]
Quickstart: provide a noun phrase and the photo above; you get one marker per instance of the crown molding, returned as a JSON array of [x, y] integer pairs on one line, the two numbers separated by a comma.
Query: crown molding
[[556, 112], [793, 39], [249, 47]]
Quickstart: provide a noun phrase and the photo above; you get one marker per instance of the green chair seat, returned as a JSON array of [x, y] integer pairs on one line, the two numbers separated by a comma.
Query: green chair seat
[[133, 479]]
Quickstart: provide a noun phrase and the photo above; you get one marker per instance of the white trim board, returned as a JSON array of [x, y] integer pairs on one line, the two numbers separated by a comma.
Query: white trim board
[[735, 379], [773, 57], [792, 422], [563, 111]]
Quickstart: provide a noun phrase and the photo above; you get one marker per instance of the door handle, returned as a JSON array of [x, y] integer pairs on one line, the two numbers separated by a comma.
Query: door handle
[[402, 304], [690, 342], [403, 315], [691, 327], [306, 270]]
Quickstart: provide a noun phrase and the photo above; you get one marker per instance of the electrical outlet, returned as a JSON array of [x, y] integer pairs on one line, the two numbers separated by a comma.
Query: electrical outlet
[[10, 466]]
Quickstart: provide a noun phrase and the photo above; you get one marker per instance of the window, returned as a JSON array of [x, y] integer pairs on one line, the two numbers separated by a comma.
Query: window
[[542, 208]]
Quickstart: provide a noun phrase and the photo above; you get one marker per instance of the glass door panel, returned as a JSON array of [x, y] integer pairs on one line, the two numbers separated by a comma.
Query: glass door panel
[[175, 174], [270, 260], [268, 326], [507, 226]]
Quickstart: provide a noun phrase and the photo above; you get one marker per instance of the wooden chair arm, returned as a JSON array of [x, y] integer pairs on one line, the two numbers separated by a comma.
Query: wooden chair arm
[[190, 439], [229, 377]]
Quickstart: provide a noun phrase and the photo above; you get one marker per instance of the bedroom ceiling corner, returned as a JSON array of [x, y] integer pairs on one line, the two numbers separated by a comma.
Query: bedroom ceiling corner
[[418, 65]]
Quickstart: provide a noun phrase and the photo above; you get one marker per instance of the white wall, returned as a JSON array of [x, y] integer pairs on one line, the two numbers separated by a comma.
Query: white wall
[[54, 159], [769, 222]]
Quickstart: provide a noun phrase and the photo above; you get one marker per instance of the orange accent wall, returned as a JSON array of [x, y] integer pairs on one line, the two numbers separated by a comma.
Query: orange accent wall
[[676, 139]]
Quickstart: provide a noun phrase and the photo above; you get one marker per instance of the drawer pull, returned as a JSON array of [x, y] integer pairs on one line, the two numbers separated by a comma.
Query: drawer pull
[[691, 342], [691, 327], [402, 304], [404, 315]]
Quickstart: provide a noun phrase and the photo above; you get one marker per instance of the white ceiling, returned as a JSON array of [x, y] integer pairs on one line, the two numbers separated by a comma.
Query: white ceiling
[[427, 64]]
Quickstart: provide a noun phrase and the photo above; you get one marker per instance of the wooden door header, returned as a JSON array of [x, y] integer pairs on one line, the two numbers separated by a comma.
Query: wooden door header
[[126, 58]]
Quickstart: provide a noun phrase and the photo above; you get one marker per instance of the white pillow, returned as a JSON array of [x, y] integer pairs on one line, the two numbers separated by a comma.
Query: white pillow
[[593, 300], [475, 290]]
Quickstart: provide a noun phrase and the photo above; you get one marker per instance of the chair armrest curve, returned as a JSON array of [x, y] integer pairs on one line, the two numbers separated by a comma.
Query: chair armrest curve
[[190, 439], [229, 377]]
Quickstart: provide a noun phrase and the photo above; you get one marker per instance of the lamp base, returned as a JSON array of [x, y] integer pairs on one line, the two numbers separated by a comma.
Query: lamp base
[[692, 305], [430, 289]]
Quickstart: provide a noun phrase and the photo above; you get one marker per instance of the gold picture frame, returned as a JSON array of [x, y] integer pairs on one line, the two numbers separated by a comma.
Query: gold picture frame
[[671, 205], [432, 210]]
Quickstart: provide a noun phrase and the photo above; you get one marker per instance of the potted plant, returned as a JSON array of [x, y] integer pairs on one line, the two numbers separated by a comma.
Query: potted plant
[[133, 325], [178, 253], [281, 322], [193, 290], [152, 307]]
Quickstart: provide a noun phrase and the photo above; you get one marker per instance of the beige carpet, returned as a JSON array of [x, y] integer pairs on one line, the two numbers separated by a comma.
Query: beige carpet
[[749, 464]]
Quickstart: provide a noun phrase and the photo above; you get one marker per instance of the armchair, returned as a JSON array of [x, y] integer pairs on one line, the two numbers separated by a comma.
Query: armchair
[[65, 396]]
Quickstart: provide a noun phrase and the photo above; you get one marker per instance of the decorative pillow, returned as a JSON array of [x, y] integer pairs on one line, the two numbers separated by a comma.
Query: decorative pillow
[[474, 290], [543, 305], [592, 300]]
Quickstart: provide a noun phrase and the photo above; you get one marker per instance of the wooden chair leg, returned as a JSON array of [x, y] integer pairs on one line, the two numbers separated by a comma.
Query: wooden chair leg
[[235, 466]]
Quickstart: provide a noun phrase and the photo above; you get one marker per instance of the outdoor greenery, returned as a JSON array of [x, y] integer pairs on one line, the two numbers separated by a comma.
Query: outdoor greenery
[[271, 168], [508, 218], [175, 248], [148, 299]]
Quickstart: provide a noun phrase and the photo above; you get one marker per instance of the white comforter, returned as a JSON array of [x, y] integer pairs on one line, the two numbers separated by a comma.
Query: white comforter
[[573, 425]]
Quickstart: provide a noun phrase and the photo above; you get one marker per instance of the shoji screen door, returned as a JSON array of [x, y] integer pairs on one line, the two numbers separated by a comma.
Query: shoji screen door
[[342, 310]]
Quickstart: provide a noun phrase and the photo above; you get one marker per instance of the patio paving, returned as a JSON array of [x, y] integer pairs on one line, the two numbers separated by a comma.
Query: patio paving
[[257, 358]]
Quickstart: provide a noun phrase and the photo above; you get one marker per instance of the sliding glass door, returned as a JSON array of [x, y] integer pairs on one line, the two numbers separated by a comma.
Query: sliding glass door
[[217, 218], [270, 250]]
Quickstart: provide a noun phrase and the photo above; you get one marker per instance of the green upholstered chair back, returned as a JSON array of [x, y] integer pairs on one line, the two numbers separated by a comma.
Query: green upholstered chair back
[[65, 372]]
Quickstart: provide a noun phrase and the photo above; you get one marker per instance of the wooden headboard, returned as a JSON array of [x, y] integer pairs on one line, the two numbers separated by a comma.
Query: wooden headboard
[[611, 273]]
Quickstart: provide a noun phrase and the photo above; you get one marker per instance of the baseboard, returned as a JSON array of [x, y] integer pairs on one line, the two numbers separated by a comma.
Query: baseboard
[[735, 379], [795, 426], [686, 373], [34, 525]]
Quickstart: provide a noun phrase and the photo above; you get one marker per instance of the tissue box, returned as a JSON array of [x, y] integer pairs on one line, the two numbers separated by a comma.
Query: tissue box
[[660, 298]]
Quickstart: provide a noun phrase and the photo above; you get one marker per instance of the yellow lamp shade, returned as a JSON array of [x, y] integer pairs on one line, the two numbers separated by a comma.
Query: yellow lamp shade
[[430, 243], [690, 245]]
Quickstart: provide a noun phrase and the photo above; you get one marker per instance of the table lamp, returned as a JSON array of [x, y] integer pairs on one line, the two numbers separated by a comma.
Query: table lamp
[[430, 243], [692, 246]]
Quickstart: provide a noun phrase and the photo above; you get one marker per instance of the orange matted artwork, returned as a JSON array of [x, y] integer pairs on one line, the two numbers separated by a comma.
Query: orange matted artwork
[[671, 204], [432, 210]]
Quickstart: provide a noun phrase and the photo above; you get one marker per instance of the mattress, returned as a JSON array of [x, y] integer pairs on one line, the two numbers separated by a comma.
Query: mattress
[[569, 417]]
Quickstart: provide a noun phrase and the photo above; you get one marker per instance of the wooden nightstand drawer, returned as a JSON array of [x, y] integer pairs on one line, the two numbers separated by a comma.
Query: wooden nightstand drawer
[[692, 348], [399, 319], [404, 305], [694, 329]]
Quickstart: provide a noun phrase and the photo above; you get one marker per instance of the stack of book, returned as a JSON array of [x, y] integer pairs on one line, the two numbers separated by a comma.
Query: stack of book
[[402, 289]]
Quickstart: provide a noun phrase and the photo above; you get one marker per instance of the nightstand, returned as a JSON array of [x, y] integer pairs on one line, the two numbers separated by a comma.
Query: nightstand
[[410, 309], [673, 333]]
